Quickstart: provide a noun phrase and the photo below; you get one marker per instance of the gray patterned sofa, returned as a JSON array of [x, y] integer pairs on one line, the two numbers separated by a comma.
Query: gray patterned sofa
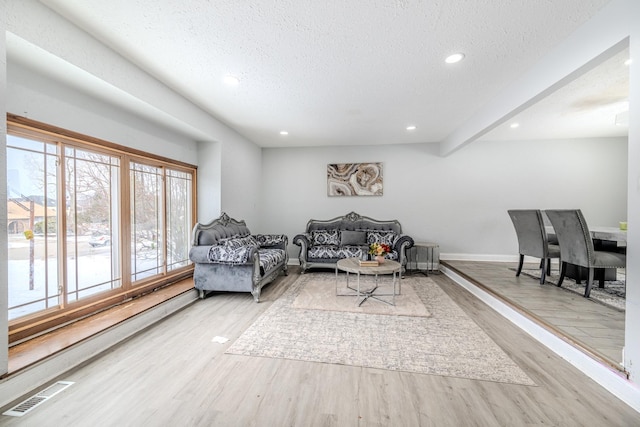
[[324, 242], [228, 257]]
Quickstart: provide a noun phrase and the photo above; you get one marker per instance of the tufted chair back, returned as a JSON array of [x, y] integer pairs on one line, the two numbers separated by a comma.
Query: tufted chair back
[[532, 239], [354, 222], [220, 228], [576, 245], [529, 226]]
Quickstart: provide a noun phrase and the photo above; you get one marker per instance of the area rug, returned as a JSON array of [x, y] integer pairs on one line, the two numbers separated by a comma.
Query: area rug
[[334, 295], [446, 343], [612, 295]]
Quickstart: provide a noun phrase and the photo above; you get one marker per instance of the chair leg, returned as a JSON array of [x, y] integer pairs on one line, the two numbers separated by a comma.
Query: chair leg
[[587, 290], [548, 266], [601, 273], [520, 265], [563, 270], [543, 271]]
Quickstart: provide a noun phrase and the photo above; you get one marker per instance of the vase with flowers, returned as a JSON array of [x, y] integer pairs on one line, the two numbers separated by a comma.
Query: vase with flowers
[[378, 251]]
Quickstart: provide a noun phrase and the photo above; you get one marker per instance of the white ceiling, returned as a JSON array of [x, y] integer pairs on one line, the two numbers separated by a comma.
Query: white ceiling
[[345, 72]]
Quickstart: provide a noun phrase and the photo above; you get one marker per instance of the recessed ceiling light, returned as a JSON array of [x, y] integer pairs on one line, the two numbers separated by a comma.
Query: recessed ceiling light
[[284, 132], [628, 61], [231, 80], [456, 57], [514, 125], [411, 127]]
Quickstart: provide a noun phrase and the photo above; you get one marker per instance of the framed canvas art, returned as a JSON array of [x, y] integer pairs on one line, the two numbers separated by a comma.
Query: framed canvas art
[[354, 179]]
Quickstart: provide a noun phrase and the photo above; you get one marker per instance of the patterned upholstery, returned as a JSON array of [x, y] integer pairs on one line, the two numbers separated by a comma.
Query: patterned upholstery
[[325, 237], [270, 258], [270, 239], [223, 254], [386, 237], [240, 242], [339, 252]]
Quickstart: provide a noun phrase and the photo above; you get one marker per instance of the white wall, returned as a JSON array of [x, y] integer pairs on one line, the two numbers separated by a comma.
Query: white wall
[[241, 184], [632, 337], [209, 180], [41, 98], [459, 201], [229, 180], [4, 295]]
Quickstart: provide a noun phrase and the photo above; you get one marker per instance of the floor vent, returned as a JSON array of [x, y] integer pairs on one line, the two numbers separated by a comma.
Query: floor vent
[[22, 408]]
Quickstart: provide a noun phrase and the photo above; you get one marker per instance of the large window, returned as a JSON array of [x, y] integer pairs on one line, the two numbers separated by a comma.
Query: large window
[[90, 222]]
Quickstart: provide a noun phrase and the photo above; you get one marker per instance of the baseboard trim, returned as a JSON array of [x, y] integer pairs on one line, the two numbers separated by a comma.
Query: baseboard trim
[[612, 380], [478, 257]]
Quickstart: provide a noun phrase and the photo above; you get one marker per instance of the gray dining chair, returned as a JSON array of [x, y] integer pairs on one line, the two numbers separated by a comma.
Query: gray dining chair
[[576, 246], [532, 240]]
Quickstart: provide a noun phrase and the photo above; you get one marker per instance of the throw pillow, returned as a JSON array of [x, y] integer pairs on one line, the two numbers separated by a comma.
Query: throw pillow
[[239, 242], [325, 237], [353, 238], [270, 239], [386, 237]]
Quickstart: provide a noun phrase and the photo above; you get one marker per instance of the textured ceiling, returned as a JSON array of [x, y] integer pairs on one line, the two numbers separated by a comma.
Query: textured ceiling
[[584, 108], [338, 72]]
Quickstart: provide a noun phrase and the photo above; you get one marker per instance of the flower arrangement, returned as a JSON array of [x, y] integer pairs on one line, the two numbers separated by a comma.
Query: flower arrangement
[[379, 249]]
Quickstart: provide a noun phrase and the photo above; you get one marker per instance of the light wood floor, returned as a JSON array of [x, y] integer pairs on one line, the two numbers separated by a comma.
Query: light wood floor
[[593, 327], [172, 374]]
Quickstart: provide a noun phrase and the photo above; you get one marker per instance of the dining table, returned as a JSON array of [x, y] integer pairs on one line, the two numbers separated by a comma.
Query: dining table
[[603, 233], [604, 238], [611, 234]]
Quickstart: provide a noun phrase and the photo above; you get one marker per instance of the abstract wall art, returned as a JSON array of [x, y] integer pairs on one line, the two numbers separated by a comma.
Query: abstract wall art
[[354, 179]]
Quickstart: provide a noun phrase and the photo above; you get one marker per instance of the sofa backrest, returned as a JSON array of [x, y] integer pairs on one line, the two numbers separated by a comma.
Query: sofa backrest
[[220, 228], [354, 222]]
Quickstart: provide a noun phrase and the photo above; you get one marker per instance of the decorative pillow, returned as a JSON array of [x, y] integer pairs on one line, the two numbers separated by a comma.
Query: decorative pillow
[[240, 242], [353, 238], [325, 237], [386, 237], [270, 239], [222, 254]]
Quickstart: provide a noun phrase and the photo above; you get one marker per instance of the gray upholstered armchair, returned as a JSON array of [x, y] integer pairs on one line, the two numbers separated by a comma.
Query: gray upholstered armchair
[[532, 239], [576, 246]]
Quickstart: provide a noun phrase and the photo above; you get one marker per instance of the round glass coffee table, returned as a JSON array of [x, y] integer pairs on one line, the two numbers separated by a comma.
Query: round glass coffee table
[[352, 265]]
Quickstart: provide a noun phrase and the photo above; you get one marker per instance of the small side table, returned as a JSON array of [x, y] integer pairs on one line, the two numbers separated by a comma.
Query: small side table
[[429, 248], [352, 265]]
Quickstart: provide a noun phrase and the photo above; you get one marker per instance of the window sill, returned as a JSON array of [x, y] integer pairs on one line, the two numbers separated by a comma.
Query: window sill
[[30, 327], [34, 350]]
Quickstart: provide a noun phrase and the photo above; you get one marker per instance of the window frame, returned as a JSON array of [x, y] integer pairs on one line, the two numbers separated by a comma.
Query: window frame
[[29, 325]]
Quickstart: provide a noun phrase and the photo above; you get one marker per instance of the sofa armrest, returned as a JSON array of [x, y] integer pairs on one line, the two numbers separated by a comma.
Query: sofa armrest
[[402, 244], [302, 240], [403, 241], [199, 254], [222, 254]]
